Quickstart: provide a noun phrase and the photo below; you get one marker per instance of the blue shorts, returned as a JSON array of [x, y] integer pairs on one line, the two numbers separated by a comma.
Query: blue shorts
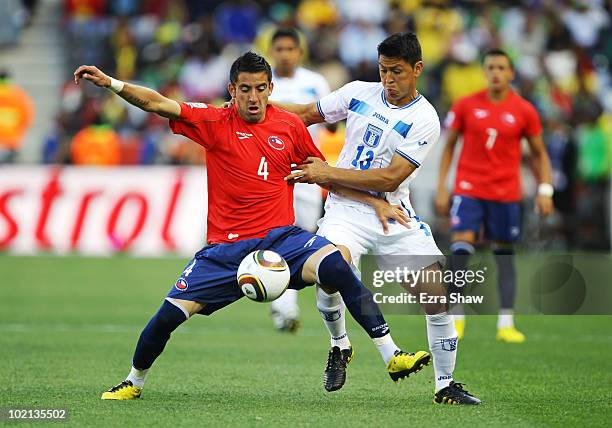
[[210, 277], [501, 220]]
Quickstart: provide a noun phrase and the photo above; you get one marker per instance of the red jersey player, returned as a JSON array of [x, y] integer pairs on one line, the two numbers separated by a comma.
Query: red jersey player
[[487, 188], [250, 148]]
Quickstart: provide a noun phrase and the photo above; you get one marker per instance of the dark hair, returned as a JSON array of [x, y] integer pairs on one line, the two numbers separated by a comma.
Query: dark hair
[[498, 52], [250, 62], [286, 32], [402, 45]]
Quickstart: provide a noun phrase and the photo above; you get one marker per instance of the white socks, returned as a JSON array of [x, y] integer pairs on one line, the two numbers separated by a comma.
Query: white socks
[[331, 308], [442, 339], [137, 377], [386, 346], [505, 318], [332, 311]]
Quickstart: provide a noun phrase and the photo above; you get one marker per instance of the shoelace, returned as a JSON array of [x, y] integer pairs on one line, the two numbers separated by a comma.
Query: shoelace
[[460, 387], [121, 385], [400, 352], [335, 363]]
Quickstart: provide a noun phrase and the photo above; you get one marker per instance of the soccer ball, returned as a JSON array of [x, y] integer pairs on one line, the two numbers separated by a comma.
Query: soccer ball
[[263, 276]]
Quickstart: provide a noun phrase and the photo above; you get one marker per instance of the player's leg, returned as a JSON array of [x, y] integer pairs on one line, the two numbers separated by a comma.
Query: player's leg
[[285, 312], [442, 338], [332, 310], [357, 237], [150, 345], [329, 302], [199, 282], [415, 250], [328, 268], [351, 245], [466, 216], [502, 226]]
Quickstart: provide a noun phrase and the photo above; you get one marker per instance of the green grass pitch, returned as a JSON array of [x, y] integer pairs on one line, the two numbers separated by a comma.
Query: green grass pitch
[[68, 327]]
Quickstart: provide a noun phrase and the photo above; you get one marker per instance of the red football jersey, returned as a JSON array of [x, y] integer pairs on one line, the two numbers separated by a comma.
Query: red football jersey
[[246, 164], [489, 164]]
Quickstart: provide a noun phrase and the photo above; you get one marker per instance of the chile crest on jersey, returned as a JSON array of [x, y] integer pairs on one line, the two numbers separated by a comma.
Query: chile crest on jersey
[[276, 143]]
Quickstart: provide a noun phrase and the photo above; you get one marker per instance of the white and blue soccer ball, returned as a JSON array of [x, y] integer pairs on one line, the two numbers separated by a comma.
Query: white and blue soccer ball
[[263, 276]]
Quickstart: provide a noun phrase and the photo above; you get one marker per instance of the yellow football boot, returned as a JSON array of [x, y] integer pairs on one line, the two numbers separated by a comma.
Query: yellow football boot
[[510, 335], [460, 327], [402, 364], [124, 391]]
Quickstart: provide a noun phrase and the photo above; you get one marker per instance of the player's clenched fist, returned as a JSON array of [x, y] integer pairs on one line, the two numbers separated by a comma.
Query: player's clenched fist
[[93, 74]]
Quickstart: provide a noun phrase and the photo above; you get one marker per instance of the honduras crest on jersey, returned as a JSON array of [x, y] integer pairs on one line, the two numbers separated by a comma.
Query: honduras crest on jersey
[[372, 135]]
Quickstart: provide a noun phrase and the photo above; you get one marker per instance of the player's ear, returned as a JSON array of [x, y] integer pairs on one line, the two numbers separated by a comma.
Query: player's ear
[[418, 68], [270, 87], [231, 88]]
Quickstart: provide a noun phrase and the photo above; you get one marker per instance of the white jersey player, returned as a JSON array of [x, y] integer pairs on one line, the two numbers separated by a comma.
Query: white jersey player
[[376, 132], [295, 84], [390, 129]]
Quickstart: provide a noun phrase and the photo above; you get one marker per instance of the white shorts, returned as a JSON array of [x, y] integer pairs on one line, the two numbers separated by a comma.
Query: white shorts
[[361, 232]]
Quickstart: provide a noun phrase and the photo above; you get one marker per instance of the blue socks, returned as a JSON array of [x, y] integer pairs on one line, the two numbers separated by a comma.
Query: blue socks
[[156, 334], [506, 276], [334, 272]]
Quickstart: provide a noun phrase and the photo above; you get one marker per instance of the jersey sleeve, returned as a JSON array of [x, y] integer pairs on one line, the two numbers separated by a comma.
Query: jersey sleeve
[[335, 106], [303, 145], [454, 118], [533, 126], [195, 123], [418, 141]]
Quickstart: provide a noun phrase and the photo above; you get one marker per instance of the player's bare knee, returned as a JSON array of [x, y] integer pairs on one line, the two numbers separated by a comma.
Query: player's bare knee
[[468, 236], [309, 270], [346, 253], [430, 290], [187, 306]]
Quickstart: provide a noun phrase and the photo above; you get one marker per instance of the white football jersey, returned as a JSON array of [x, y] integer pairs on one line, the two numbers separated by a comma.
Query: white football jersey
[[377, 130]]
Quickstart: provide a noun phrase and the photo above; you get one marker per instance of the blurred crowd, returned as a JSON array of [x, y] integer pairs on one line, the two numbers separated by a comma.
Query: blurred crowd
[[183, 48]]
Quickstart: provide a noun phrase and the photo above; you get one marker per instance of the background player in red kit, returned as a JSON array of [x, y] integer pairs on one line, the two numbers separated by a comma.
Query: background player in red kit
[[487, 187], [250, 148]]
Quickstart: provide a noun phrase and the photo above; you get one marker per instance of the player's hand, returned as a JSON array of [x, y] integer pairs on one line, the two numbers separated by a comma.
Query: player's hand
[[442, 202], [387, 212], [312, 171], [544, 205], [93, 74]]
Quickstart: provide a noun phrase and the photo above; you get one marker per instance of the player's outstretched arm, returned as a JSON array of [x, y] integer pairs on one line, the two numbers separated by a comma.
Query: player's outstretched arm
[[443, 195], [387, 179], [144, 98], [543, 171], [308, 113]]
